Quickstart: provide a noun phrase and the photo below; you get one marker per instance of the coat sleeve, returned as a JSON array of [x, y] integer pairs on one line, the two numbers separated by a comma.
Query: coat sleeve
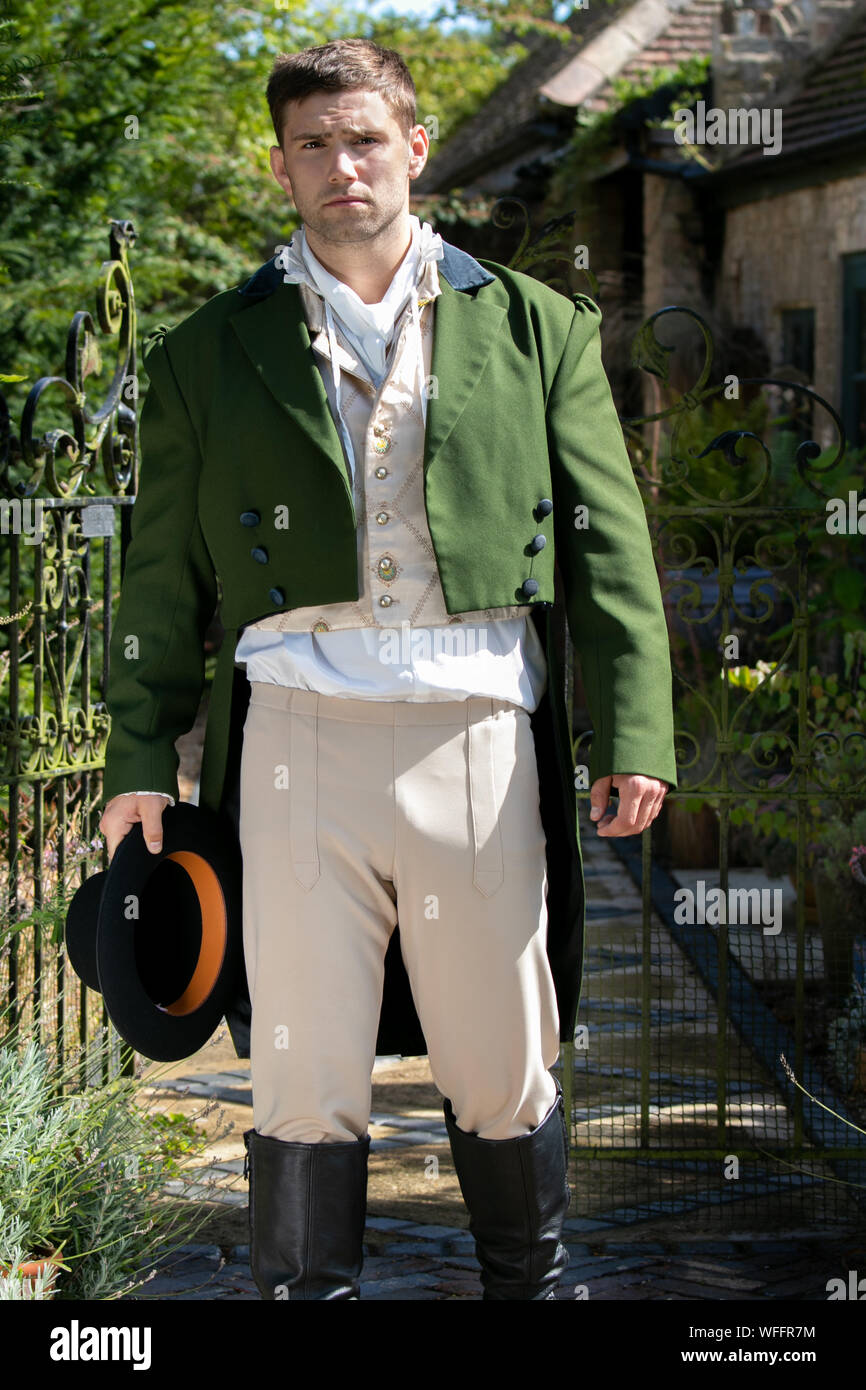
[[167, 599], [613, 600]]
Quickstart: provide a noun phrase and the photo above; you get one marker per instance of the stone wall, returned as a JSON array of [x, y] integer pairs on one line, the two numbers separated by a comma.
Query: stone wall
[[784, 252]]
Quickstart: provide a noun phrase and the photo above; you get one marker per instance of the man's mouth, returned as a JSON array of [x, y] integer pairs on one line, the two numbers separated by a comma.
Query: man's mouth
[[335, 202]]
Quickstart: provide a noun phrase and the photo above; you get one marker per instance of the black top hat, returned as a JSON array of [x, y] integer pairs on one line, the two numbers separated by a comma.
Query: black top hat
[[160, 936]]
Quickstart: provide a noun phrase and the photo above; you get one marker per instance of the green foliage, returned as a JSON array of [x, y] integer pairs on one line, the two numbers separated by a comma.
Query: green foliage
[[834, 858], [83, 1172], [846, 1037], [156, 113], [594, 131], [835, 704]]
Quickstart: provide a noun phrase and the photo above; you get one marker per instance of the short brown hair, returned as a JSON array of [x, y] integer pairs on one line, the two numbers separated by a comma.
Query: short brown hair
[[338, 66]]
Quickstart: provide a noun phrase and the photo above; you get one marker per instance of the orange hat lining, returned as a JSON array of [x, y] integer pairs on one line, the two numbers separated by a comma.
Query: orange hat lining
[[214, 934]]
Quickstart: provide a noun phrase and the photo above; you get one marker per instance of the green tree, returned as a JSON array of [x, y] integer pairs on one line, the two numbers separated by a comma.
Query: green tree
[[154, 110]]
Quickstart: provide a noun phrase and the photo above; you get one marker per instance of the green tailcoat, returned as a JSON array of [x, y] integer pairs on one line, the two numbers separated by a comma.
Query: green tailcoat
[[236, 422]]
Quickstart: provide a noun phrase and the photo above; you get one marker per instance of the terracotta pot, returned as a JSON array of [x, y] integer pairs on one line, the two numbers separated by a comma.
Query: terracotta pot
[[689, 838], [29, 1269]]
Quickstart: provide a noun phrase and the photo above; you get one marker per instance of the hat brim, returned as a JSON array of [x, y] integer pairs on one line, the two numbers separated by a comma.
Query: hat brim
[[200, 844], [79, 932]]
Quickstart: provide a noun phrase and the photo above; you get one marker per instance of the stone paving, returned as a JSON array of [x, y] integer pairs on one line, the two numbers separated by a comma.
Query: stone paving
[[437, 1262], [617, 1252]]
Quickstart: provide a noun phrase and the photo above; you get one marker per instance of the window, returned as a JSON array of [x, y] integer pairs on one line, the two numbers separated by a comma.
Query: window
[[854, 349]]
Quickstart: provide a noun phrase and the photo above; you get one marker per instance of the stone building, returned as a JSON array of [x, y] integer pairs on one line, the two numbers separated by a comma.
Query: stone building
[[759, 224]]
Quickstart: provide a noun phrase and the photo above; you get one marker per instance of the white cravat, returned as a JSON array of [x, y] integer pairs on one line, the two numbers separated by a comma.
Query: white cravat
[[368, 327]]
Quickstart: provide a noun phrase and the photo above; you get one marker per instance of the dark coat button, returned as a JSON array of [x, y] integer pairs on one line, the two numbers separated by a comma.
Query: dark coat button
[[544, 508], [276, 596], [530, 587], [537, 543], [259, 554], [250, 518]]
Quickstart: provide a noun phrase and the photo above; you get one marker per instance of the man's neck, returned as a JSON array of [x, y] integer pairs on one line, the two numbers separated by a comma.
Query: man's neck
[[367, 267]]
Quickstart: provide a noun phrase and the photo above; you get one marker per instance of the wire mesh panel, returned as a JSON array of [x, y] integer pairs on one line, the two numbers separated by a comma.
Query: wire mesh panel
[[719, 1065]]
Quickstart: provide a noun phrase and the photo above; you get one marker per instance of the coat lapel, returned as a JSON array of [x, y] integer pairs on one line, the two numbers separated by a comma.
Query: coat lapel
[[273, 332], [275, 337], [465, 329]]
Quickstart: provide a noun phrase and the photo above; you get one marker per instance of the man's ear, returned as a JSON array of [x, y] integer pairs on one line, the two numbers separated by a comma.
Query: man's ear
[[278, 169]]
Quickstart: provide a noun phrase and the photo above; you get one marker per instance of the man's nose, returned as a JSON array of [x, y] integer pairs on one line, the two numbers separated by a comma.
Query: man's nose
[[343, 165]]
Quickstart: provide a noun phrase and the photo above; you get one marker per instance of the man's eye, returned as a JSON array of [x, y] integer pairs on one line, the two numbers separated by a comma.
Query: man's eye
[[307, 143]]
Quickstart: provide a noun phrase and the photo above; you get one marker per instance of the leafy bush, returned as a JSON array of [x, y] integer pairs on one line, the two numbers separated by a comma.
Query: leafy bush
[[83, 1172], [846, 1037]]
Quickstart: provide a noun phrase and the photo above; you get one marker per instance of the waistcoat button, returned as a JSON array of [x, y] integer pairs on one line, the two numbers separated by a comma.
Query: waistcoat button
[[537, 543], [381, 471], [530, 587], [386, 568], [382, 518], [259, 554], [385, 601], [276, 596], [250, 518], [544, 508]]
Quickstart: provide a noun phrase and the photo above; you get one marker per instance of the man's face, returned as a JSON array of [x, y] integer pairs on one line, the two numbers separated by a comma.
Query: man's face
[[340, 145]]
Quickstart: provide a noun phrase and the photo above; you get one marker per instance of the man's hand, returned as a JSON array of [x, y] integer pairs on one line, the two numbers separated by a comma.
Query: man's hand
[[640, 800], [123, 811]]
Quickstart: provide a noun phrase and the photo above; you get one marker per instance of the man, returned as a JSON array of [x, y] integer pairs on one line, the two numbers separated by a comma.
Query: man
[[369, 452]]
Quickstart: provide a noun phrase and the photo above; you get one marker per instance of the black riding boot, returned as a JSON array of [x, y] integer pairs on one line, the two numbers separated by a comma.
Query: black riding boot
[[516, 1192], [308, 1204]]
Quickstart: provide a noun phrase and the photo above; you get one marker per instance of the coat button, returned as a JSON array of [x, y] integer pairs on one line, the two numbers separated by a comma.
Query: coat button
[[259, 554], [530, 587], [381, 471], [382, 518], [276, 596], [544, 508], [385, 601], [537, 543], [250, 518]]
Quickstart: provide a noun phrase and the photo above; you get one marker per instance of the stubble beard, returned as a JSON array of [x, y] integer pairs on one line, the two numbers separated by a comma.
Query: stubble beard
[[359, 224]]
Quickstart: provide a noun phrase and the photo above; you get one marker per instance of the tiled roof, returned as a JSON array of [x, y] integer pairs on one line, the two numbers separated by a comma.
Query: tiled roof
[[509, 120], [650, 35], [529, 111], [827, 105], [689, 34]]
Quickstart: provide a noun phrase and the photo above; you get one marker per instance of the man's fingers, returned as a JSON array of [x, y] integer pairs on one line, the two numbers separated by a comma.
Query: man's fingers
[[599, 794], [628, 820], [639, 804], [122, 812], [151, 823]]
